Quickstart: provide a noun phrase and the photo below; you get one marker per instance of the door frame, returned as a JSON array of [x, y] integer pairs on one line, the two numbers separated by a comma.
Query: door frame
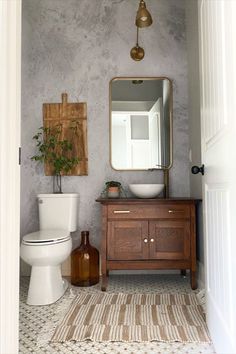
[[10, 98]]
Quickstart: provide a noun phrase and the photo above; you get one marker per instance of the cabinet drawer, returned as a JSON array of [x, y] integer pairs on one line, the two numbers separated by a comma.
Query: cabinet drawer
[[129, 211]]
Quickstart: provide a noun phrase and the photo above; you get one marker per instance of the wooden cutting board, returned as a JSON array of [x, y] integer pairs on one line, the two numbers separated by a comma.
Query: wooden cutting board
[[69, 115]]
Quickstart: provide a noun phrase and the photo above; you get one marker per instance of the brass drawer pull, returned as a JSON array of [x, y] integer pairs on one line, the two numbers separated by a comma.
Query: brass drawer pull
[[175, 211], [152, 240], [145, 240], [121, 211]]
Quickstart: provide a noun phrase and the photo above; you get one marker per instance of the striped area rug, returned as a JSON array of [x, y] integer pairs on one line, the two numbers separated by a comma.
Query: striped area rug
[[133, 317]]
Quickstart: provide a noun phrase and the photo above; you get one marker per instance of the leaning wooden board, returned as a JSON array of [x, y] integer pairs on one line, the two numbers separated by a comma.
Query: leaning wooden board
[[68, 115]]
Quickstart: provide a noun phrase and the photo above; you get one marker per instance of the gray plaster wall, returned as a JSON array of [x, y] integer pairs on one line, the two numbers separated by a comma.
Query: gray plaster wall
[[195, 124], [78, 46], [194, 95]]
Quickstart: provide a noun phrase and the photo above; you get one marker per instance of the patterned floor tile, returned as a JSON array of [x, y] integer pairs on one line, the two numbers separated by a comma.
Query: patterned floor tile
[[33, 319]]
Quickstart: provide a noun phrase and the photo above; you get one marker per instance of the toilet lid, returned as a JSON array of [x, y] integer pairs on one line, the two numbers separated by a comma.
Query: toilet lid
[[46, 236]]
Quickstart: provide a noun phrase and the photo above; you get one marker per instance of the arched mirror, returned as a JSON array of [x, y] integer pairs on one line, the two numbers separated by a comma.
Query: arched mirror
[[140, 123]]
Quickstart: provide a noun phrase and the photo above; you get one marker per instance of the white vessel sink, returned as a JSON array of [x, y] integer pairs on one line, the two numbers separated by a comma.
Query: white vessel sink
[[146, 190]]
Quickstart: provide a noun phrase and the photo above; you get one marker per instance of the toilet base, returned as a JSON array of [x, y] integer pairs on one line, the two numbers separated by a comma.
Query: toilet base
[[46, 285]]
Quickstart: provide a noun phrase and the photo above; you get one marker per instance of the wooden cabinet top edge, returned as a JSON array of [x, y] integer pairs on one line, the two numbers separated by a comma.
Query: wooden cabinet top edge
[[148, 201]]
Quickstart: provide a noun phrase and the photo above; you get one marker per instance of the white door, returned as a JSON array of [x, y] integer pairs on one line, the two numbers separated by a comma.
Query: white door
[[10, 95], [155, 134], [217, 32]]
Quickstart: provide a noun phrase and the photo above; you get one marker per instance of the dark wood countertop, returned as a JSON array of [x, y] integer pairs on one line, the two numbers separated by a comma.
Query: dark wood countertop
[[147, 200]]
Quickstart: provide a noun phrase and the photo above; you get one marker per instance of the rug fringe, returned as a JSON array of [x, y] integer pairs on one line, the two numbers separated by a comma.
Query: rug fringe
[[48, 329]]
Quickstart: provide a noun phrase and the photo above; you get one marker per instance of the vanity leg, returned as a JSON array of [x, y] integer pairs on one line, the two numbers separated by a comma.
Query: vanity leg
[[104, 282], [183, 272], [193, 279]]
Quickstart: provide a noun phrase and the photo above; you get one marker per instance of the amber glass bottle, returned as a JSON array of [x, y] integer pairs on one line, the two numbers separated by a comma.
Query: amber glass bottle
[[85, 263]]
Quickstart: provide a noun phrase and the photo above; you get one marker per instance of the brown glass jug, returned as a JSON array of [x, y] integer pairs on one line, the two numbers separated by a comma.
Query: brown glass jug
[[85, 263]]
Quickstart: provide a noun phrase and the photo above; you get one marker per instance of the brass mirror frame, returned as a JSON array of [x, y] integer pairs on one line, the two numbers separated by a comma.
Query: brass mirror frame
[[164, 168]]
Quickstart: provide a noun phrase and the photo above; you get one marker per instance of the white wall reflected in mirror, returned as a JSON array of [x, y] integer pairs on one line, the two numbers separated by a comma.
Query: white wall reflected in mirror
[[140, 123], [136, 139]]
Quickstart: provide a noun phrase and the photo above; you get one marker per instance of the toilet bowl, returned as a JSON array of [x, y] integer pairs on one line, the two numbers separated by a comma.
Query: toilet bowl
[[46, 249]]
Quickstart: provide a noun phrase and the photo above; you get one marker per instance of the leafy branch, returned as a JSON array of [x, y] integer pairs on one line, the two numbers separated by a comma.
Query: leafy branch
[[53, 150]]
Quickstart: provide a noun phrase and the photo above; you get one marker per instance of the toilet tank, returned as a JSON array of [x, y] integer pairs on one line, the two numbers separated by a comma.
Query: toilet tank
[[58, 211]]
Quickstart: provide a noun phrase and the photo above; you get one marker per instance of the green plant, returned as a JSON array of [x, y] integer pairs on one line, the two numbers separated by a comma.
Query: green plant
[[55, 151], [112, 184]]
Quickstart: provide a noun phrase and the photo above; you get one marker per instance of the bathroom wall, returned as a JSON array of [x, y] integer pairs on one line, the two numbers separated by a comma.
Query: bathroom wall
[[193, 94], [194, 123], [78, 46]]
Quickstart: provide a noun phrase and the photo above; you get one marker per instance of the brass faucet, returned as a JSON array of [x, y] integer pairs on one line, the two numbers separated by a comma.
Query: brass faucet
[[166, 178]]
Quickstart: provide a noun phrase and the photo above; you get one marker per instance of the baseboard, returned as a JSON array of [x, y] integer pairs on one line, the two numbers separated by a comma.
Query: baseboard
[[66, 267], [200, 275], [25, 269], [66, 271], [157, 271]]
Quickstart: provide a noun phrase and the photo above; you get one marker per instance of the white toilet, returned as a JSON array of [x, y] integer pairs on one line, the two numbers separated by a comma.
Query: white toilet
[[46, 249]]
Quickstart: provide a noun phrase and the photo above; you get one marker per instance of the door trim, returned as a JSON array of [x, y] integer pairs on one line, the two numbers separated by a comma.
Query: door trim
[[10, 96]]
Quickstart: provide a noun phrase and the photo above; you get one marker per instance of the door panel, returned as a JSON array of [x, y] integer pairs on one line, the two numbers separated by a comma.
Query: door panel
[[127, 240], [217, 28], [218, 248], [169, 239]]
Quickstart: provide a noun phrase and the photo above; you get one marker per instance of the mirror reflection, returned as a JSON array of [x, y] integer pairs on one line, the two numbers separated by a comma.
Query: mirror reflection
[[140, 123]]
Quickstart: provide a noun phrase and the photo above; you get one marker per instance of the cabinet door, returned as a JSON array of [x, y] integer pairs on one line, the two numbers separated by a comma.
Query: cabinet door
[[127, 240], [169, 239]]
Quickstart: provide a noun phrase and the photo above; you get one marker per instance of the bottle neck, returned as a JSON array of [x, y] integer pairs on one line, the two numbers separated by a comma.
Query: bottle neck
[[85, 238]]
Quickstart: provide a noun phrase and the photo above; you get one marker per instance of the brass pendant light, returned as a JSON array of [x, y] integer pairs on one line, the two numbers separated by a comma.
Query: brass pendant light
[[137, 53], [143, 18]]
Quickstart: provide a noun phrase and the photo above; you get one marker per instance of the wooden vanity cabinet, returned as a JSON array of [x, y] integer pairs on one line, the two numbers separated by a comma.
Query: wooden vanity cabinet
[[148, 234]]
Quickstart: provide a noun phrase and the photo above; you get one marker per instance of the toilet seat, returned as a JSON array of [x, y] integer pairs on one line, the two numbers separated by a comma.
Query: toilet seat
[[46, 237]]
